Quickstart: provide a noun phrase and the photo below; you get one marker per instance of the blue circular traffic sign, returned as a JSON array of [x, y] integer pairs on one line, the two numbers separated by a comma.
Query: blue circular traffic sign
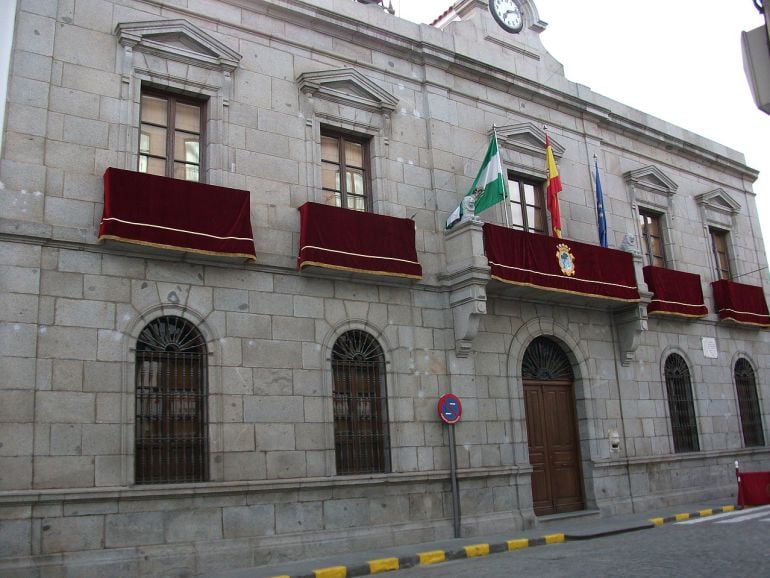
[[449, 408]]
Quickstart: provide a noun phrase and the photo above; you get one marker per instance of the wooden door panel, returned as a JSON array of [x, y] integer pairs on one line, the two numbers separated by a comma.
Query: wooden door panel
[[533, 400], [538, 453], [553, 447]]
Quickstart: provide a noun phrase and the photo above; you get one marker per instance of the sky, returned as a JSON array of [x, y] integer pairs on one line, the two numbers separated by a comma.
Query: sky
[[677, 60]]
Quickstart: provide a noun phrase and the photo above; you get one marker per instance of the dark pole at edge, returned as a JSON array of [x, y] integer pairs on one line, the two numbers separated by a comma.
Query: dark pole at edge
[[453, 476]]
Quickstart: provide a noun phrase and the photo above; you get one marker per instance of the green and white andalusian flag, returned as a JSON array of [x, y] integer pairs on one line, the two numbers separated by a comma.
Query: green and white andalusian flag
[[489, 188]]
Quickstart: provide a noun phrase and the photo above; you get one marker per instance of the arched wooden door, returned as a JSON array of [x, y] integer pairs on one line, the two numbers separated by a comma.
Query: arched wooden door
[[554, 446]]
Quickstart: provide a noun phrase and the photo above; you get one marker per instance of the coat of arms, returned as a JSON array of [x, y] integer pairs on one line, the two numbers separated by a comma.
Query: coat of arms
[[566, 259]]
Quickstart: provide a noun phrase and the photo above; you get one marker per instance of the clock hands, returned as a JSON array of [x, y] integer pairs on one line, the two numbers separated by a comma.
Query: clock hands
[[508, 14]]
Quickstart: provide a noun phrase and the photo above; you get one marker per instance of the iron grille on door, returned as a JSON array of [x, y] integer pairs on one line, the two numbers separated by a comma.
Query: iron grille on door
[[544, 359], [361, 438], [748, 404], [680, 405], [171, 403]]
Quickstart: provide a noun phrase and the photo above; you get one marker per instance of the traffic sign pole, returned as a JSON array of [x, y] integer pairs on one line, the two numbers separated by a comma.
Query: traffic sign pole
[[449, 411], [453, 479]]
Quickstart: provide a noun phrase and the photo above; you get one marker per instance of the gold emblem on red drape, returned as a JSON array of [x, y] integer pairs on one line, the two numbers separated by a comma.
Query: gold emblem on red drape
[[565, 259]]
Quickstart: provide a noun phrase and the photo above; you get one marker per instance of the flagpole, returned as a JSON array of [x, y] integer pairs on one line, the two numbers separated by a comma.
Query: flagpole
[[549, 221], [505, 181]]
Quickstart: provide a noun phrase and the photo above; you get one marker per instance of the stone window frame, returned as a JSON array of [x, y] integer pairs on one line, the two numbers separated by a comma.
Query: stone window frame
[[161, 402], [522, 153], [719, 212], [651, 190], [328, 393], [693, 425], [176, 56], [132, 331], [344, 100], [364, 406], [742, 356]]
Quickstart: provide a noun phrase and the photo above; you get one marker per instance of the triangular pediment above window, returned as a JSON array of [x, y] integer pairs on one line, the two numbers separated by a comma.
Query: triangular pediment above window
[[178, 40], [527, 137], [347, 86], [652, 179], [719, 200]]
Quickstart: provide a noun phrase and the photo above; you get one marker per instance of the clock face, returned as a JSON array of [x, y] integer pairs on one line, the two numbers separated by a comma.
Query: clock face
[[507, 14]]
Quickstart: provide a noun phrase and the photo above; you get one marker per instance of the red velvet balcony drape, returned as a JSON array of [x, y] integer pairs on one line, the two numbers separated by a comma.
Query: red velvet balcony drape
[[741, 303], [674, 293], [348, 240], [175, 214], [535, 260]]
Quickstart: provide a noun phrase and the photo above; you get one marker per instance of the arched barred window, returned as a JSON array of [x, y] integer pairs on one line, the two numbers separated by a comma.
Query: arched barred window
[[684, 427], [361, 436], [171, 403], [748, 404]]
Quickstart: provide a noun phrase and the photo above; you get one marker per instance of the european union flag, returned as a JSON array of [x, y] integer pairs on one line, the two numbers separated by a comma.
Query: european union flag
[[601, 218]]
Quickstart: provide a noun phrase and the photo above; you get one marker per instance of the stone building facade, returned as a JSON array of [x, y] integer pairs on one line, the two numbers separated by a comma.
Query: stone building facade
[[172, 403]]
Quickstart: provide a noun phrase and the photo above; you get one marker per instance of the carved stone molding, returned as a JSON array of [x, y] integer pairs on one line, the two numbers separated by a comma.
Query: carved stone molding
[[349, 87], [178, 40], [467, 277], [528, 138], [630, 323]]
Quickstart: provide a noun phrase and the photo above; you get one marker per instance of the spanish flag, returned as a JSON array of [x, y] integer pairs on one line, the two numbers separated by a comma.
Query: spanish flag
[[553, 190]]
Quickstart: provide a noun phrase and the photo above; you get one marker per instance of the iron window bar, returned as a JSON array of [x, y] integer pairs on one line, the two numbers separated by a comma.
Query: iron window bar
[[684, 428], [748, 404], [361, 436], [171, 403]]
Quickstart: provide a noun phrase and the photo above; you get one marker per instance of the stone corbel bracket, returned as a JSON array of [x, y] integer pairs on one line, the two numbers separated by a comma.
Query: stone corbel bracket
[[467, 278], [630, 323]]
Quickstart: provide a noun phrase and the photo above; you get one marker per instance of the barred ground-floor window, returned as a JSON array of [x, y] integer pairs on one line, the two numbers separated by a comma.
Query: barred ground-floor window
[[684, 427], [171, 403], [748, 404], [361, 436]]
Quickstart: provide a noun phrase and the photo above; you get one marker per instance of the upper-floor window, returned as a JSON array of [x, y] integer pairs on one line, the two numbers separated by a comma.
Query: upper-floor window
[[748, 404], [719, 249], [361, 438], [345, 170], [652, 238], [684, 427], [171, 427], [170, 136], [526, 202]]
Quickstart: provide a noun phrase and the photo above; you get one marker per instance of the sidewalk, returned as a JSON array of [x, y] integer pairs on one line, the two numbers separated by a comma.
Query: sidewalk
[[552, 530]]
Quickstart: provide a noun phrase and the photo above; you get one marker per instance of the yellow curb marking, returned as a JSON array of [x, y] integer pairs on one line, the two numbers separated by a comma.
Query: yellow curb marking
[[383, 565], [554, 538], [728, 508], [331, 572], [680, 517], [432, 557], [657, 521], [281, 576], [706, 512], [477, 550], [518, 544]]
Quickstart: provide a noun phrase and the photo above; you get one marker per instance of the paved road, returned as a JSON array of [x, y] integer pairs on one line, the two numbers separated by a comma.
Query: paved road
[[733, 544]]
